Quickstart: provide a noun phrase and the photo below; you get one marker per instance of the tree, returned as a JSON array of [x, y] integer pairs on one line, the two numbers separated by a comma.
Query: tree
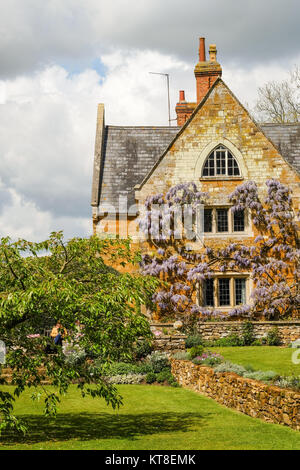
[[70, 282], [280, 101], [272, 257]]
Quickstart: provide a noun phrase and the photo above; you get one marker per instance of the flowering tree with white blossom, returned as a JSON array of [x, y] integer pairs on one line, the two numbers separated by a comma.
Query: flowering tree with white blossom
[[272, 257]]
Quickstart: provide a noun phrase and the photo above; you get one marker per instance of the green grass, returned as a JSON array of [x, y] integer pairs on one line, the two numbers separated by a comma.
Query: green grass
[[262, 358], [152, 418]]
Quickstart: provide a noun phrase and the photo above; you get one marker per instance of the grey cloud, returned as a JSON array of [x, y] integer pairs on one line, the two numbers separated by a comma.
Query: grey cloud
[[43, 157], [5, 198], [247, 32]]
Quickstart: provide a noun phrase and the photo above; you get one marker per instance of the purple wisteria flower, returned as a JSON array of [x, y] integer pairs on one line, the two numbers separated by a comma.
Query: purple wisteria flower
[[271, 259]]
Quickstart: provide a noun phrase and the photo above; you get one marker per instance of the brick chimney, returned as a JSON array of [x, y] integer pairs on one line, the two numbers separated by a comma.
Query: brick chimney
[[206, 72], [183, 109]]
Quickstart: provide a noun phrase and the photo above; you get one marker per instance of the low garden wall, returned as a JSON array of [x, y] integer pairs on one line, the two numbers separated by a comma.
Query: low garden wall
[[256, 399], [169, 344], [287, 331]]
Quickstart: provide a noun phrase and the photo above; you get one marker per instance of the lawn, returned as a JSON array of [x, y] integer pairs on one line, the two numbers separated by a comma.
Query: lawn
[[262, 358], [152, 418]]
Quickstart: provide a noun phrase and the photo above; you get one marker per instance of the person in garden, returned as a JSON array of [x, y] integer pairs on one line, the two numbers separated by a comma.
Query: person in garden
[[58, 333]]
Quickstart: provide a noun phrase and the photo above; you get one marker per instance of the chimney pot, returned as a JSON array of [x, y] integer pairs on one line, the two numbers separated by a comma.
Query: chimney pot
[[181, 95], [212, 53], [206, 73], [202, 57]]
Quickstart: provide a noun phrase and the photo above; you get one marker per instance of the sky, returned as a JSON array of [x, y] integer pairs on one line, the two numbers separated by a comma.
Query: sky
[[60, 58]]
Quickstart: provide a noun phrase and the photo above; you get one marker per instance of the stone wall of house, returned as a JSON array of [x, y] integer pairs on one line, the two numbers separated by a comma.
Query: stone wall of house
[[256, 399], [287, 331]]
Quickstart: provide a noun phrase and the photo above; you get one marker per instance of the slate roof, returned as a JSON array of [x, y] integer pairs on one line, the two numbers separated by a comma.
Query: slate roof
[[129, 153], [286, 137]]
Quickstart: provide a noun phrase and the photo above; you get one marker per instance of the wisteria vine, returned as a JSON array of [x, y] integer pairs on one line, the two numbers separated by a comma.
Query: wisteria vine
[[272, 257]]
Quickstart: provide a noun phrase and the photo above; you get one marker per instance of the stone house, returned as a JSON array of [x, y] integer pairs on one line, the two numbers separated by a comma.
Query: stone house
[[216, 144]]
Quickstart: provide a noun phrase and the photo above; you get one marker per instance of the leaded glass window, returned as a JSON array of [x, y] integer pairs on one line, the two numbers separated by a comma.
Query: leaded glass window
[[240, 291], [208, 219], [221, 163], [239, 221], [224, 292], [222, 220], [209, 292]]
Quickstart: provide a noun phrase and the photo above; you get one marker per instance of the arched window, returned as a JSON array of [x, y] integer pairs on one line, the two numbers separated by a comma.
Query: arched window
[[221, 163]]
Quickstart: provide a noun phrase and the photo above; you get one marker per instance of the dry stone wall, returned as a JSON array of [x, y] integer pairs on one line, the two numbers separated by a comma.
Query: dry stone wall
[[169, 344], [256, 399], [287, 331]]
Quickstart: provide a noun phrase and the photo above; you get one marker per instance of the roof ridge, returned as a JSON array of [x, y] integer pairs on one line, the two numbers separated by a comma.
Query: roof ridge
[[142, 127], [274, 124]]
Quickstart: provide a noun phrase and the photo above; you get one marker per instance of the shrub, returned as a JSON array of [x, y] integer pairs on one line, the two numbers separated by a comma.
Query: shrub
[[288, 382], [247, 333], [75, 356], [212, 361], [230, 340], [123, 368], [142, 349], [193, 340], [209, 359], [158, 361], [273, 337], [150, 378], [181, 356], [256, 342], [144, 367], [263, 376], [195, 351], [164, 376], [230, 367], [129, 379]]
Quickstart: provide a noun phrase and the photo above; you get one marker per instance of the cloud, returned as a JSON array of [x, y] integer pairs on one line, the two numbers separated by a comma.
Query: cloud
[[72, 33], [47, 127], [22, 219]]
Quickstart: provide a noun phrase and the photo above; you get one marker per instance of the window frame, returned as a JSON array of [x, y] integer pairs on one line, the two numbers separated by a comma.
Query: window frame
[[232, 291], [221, 148], [230, 221]]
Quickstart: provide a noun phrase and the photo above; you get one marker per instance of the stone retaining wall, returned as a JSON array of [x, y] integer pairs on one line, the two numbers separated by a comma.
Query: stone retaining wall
[[256, 399], [288, 331], [169, 344]]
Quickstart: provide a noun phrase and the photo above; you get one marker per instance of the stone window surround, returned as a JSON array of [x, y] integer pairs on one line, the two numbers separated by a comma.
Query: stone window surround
[[207, 151], [232, 276], [247, 232], [220, 163]]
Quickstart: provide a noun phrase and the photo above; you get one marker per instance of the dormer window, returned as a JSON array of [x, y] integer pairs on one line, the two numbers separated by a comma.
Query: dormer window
[[221, 163]]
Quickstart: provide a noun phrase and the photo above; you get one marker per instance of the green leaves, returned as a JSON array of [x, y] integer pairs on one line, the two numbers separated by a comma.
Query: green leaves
[[76, 283]]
